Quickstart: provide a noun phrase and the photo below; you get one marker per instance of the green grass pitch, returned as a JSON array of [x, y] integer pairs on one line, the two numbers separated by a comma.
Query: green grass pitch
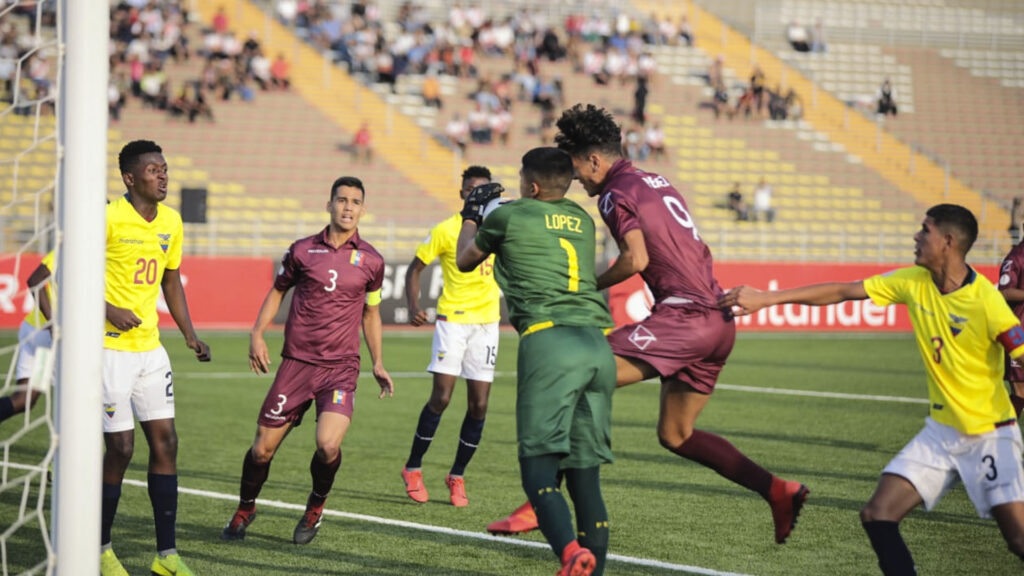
[[662, 508]]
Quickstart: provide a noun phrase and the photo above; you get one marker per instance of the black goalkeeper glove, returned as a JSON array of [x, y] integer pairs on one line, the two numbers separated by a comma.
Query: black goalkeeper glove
[[477, 200]]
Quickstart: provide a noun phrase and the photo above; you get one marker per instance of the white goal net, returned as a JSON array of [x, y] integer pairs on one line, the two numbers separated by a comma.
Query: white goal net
[[50, 441]]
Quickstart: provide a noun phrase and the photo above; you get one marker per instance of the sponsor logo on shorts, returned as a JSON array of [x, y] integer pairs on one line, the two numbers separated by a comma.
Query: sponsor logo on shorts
[[441, 355], [642, 337], [338, 398], [109, 409], [270, 416]]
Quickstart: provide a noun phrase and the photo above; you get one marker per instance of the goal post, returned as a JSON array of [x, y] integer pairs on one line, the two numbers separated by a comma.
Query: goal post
[[81, 213]]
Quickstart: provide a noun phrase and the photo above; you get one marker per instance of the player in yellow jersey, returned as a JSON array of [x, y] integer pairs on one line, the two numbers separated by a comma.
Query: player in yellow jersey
[[465, 344], [144, 239], [34, 337], [960, 320]]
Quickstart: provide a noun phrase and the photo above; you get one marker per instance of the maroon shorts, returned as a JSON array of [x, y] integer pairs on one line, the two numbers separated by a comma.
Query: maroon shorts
[[685, 344], [1014, 370], [298, 384]]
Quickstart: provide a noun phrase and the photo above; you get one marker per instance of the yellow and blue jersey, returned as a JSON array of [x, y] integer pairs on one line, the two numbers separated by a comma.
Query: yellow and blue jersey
[[958, 335], [138, 252], [468, 297], [35, 318]]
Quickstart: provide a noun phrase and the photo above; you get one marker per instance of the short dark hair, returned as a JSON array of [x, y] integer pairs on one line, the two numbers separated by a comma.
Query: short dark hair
[[957, 219], [549, 167], [128, 159], [582, 130], [476, 172], [350, 181]]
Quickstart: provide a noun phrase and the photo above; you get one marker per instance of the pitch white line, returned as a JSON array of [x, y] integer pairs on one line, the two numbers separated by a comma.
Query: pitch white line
[[443, 530], [816, 394], [720, 386]]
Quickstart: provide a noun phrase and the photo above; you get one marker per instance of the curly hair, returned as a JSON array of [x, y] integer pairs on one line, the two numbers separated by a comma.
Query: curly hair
[[476, 172], [129, 156], [582, 130]]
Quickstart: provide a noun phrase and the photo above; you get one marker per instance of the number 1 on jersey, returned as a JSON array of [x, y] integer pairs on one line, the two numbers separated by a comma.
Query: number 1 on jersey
[[574, 264]]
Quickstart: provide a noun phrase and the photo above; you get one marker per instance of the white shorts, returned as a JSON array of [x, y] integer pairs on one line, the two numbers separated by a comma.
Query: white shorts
[[30, 340], [988, 464], [466, 350], [139, 383]]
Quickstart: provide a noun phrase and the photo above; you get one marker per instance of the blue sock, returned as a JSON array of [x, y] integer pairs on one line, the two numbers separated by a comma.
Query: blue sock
[[163, 494], [6, 408], [111, 496], [424, 436], [469, 438]]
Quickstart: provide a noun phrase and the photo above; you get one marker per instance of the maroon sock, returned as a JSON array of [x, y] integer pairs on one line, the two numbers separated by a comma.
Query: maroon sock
[[1018, 403], [323, 478], [253, 477], [718, 454]]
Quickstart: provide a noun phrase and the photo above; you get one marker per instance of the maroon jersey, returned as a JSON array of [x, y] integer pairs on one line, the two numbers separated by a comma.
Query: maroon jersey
[[330, 294], [1011, 275], [679, 266]]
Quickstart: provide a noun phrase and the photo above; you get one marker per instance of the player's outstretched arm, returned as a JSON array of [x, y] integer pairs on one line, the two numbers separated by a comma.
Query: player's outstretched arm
[[259, 358], [744, 300], [417, 317], [372, 331], [632, 259], [174, 294]]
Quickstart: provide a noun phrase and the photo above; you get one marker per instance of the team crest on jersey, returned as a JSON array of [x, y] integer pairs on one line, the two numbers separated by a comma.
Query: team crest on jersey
[[338, 398], [165, 241], [957, 323], [642, 338], [109, 410], [357, 258]]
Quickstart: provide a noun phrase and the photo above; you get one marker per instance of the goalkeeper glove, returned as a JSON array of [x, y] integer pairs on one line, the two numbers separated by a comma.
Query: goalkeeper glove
[[476, 201]]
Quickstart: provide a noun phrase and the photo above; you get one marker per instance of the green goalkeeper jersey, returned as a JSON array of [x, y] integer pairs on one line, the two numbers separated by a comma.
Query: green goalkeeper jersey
[[544, 263]]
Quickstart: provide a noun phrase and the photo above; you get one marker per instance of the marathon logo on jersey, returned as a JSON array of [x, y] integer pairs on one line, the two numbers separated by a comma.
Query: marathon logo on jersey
[[642, 338], [606, 203], [109, 410], [338, 398], [165, 241], [957, 323], [357, 258]]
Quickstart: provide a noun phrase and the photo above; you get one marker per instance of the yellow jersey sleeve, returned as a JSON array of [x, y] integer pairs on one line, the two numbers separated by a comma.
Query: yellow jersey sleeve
[[888, 288], [434, 244]]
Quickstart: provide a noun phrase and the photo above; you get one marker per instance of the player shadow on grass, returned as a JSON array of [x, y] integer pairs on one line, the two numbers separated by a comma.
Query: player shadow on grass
[[787, 438]]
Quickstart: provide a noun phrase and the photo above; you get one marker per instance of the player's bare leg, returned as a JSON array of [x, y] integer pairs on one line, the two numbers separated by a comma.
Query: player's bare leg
[[430, 418], [330, 431], [893, 499], [1010, 518], [681, 404], [255, 470]]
